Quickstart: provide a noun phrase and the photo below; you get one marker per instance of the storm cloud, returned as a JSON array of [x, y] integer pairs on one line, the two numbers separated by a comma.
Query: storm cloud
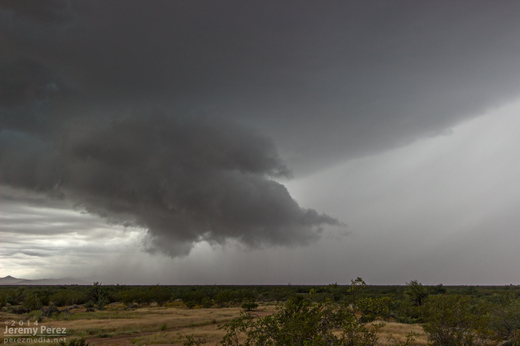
[[184, 179], [183, 117]]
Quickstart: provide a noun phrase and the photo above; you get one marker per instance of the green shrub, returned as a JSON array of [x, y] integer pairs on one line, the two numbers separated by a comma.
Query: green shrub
[[439, 289], [190, 304], [36, 316], [453, 320], [223, 298], [75, 342], [249, 305], [372, 308], [207, 303], [62, 316], [32, 302], [191, 341], [66, 297], [301, 322], [101, 303], [505, 320], [3, 300]]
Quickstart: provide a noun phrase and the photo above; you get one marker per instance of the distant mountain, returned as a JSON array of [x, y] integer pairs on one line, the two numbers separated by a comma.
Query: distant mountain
[[9, 280]]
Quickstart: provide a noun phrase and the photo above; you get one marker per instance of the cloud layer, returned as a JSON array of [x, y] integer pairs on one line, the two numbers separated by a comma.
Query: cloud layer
[[168, 115], [327, 81]]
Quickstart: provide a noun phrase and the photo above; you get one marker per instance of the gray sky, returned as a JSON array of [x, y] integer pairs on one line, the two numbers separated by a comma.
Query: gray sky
[[260, 142]]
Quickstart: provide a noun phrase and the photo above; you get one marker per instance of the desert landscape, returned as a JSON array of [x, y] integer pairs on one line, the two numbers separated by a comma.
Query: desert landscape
[[357, 314], [225, 172], [169, 326]]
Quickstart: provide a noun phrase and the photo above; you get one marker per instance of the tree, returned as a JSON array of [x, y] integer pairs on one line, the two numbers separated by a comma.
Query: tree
[[355, 286], [335, 291], [439, 289], [98, 295], [416, 292]]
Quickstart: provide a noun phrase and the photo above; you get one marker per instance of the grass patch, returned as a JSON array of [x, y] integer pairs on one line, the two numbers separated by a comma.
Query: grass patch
[[99, 315]]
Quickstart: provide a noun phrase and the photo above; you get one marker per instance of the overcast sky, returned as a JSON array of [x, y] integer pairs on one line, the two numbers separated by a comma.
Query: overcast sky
[[266, 142]]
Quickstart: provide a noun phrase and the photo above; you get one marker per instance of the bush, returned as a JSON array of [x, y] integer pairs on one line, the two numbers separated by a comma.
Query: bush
[[3, 300], [249, 305], [36, 316], [191, 341], [190, 304], [301, 322], [115, 307], [223, 298], [32, 302], [101, 303], [280, 293], [194, 298], [453, 320], [372, 308], [75, 342], [505, 320], [207, 303], [160, 294], [403, 311], [439, 289], [68, 297], [132, 295]]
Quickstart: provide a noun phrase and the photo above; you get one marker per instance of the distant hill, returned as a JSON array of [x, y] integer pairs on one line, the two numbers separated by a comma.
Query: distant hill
[[9, 280]]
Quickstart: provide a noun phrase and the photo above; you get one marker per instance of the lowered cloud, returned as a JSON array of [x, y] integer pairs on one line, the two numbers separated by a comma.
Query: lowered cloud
[[185, 179]]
